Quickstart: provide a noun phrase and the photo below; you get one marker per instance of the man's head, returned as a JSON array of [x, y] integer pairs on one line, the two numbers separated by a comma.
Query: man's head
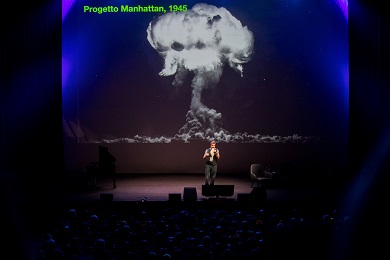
[[213, 144]]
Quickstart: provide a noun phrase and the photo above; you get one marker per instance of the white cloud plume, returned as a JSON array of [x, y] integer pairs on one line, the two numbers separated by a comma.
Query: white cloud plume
[[202, 40]]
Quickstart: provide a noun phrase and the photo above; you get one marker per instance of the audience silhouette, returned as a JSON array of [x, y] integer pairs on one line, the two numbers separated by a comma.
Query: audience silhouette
[[191, 232]]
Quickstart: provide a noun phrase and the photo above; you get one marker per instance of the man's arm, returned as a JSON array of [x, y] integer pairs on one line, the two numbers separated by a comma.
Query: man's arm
[[217, 154]]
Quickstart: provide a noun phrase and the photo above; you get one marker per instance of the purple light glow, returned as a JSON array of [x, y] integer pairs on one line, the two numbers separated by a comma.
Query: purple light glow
[[66, 5], [345, 75], [343, 4], [65, 71]]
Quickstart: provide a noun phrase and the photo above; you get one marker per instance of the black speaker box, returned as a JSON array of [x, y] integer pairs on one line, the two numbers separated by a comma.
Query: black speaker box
[[258, 194], [174, 197], [243, 196], [190, 194], [106, 196], [217, 190]]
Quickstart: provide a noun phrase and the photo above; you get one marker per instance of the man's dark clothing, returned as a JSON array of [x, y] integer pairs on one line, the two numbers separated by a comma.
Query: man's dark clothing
[[211, 168]]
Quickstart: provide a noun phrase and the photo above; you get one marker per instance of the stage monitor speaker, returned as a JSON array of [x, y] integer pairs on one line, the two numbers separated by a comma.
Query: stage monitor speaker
[[243, 196], [217, 190], [174, 197], [106, 196], [258, 194], [190, 194]]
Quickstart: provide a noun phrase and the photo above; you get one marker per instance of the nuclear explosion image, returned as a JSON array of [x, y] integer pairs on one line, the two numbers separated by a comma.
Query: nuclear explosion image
[[209, 39], [199, 44], [267, 79]]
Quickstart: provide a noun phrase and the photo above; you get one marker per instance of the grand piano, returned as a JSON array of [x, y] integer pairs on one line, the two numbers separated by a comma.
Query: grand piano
[[106, 164]]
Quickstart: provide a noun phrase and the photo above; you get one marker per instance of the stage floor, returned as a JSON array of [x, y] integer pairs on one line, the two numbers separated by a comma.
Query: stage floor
[[160, 187]]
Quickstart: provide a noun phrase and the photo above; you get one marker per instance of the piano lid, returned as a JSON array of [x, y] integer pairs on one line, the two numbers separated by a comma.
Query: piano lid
[[105, 156]]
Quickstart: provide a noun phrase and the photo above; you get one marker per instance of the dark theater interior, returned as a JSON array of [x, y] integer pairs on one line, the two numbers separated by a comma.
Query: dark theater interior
[[109, 109]]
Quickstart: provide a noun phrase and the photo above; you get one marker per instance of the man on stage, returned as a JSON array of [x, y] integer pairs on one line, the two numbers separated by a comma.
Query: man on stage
[[212, 156]]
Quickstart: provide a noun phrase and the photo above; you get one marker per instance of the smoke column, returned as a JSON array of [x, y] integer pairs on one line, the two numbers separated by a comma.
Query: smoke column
[[202, 40]]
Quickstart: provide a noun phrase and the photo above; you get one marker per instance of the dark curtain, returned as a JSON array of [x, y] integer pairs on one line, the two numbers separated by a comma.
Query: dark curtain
[[369, 77], [30, 119], [369, 34]]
